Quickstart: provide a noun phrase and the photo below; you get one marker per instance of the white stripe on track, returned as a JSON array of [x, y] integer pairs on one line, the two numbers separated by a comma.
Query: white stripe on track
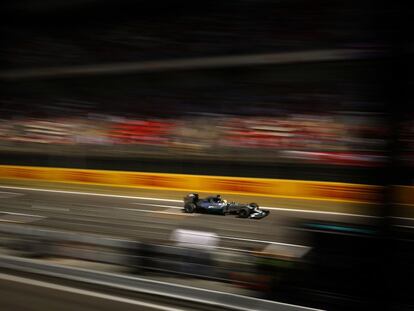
[[6, 195], [89, 193], [49, 208], [262, 241], [21, 214], [158, 205], [156, 212], [295, 210]]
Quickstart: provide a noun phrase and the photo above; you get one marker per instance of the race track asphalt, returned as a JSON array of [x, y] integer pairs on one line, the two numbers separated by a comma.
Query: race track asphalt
[[150, 215]]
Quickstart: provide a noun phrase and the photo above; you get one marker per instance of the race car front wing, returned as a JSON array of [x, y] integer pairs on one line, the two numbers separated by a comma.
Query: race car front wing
[[259, 214]]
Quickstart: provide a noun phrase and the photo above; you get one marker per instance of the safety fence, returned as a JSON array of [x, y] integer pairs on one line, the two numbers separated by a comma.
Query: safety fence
[[314, 190]]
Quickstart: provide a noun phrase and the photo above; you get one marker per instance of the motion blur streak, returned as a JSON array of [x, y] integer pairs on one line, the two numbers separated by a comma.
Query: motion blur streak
[[260, 149], [212, 62]]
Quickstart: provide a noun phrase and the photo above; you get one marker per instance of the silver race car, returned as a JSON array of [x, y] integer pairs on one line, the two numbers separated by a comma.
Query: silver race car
[[216, 205]]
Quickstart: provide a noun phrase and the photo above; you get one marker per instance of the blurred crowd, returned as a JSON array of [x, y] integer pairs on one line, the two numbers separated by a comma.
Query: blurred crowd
[[327, 138], [237, 112]]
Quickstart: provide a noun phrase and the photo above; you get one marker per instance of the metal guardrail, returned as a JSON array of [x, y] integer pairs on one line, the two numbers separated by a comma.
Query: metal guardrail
[[159, 258], [49, 235], [30, 241], [146, 286]]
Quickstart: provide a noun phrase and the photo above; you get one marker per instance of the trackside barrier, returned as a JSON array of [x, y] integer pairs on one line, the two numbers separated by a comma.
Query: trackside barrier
[[330, 191], [46, 242], [33, 241], [66, 236], [140, 257], [146, 286]]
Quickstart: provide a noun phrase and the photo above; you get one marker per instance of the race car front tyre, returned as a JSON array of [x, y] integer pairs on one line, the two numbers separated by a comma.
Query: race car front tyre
[[244, 213], [190, 208]]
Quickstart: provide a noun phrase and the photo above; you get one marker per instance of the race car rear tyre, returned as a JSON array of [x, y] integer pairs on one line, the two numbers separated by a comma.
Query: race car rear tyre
[[244, 213], [190, 208]]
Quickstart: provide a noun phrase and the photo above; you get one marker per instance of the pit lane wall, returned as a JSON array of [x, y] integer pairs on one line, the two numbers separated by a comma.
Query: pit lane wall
[[330, 191]]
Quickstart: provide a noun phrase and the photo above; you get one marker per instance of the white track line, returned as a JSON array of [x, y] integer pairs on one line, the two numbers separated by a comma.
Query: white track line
[[78, 291], [290, 210], [20, 214], [141, 210], [5, 192], [5, 195], [295, 210], [403, 218], [89, 193], [158, 205], [261, 241], [49, 208], [281, 209], [408, 227], [156, 212]]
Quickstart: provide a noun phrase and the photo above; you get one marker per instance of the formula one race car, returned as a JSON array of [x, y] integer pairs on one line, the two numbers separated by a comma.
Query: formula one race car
[[216, 205]]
